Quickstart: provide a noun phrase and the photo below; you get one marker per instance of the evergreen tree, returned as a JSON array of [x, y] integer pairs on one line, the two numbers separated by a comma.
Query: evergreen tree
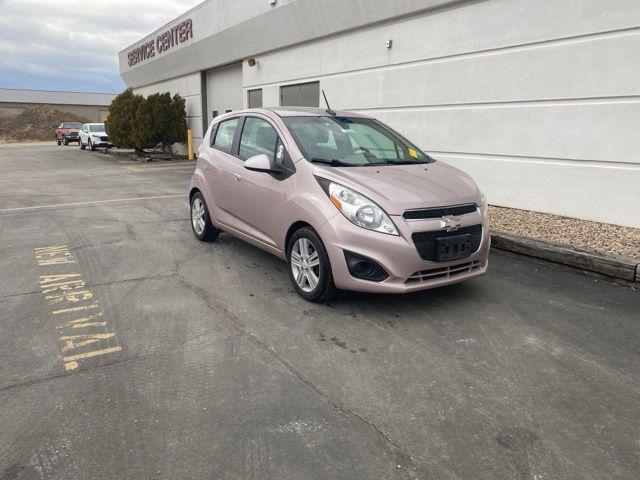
[[121, 121], [178, 125], [143, 123]]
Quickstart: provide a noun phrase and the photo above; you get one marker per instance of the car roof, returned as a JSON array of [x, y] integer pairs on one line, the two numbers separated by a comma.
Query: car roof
[[300, 112]]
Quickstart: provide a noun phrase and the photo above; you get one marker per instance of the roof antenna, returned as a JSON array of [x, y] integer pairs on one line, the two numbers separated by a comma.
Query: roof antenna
[[329, 111]]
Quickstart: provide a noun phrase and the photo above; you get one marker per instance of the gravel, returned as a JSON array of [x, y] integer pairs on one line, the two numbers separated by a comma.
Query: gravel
[[585, 234]]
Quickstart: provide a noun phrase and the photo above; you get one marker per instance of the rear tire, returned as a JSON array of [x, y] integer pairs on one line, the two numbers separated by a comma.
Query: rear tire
[[58, 141], [65, 142], [309, 266], [201, 224]]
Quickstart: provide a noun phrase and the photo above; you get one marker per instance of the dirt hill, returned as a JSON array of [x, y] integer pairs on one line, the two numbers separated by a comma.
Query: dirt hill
[[38, 123]]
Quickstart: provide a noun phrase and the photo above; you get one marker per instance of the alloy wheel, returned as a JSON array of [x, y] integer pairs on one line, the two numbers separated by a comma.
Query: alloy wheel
[[198, 216], [305, 264]]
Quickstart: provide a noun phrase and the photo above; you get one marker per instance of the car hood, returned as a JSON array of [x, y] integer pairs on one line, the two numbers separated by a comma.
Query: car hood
[[397, 188]]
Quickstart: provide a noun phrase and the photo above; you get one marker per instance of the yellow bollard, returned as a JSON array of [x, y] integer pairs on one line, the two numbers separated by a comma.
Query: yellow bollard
[[190, 143]]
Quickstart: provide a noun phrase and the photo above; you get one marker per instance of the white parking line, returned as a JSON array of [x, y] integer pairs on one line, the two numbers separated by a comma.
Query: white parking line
[[94, 202]]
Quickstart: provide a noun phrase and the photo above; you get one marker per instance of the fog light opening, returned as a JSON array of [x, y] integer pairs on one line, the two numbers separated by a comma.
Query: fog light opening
[[364, 268]]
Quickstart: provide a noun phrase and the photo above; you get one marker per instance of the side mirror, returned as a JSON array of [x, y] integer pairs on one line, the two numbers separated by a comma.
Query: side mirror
[[261, 163]]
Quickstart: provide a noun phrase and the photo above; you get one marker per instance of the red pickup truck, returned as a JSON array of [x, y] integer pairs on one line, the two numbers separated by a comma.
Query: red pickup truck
[[68, 132]]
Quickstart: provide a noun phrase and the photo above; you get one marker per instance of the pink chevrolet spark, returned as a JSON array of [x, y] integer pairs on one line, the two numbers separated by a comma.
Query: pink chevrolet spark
[[345, 200]]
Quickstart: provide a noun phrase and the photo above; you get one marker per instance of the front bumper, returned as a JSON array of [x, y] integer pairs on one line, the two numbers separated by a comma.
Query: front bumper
[[101, 144], [408, 271]]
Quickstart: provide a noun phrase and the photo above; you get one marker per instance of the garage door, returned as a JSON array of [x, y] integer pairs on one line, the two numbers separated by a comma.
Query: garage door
[[224, 90]]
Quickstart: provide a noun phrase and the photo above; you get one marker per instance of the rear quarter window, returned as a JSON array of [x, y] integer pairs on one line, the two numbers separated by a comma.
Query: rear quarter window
[[224, 135]]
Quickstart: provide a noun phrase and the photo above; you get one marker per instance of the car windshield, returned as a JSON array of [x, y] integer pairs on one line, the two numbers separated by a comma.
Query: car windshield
[[72, 125], [99, 127], [352, 142]]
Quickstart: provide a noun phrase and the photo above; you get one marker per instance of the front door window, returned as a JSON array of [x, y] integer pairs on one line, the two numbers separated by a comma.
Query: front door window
[[258, 137]]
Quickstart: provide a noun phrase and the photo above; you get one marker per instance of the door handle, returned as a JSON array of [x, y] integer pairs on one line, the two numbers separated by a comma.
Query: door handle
[[237, 177]]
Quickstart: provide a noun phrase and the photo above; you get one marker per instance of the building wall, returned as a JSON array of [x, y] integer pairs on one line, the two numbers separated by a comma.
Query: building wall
[[92, 113], [538, 100], [225, 31]]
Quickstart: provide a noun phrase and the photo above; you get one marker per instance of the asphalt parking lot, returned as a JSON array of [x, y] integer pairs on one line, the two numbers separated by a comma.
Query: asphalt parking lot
[[183, 360]]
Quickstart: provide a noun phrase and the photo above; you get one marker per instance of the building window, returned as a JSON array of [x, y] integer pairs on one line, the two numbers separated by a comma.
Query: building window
[[254, 98], [301, 95]]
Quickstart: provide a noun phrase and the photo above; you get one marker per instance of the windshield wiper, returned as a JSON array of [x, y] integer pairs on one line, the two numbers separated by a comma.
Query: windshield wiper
[[333, 162], [406, 162]]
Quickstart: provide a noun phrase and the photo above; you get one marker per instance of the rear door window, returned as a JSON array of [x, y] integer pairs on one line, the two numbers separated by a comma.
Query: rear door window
[[258, 137], [224, 135]]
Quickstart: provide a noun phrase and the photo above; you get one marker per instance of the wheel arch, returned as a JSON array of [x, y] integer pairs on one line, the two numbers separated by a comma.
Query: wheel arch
[[293, 229], [192, 192]]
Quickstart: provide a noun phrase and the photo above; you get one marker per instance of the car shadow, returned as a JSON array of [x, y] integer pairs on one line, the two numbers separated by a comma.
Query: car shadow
[[258, 258]]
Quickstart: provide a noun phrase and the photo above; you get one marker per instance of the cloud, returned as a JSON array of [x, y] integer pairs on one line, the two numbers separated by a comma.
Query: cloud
[[74, 45]]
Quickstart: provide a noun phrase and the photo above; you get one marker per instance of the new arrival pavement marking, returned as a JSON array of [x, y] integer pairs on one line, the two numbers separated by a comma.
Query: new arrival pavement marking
[[92, 202], [79, 318]]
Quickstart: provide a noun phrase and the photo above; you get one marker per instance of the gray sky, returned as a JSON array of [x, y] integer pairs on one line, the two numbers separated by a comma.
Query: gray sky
[[73, 45]]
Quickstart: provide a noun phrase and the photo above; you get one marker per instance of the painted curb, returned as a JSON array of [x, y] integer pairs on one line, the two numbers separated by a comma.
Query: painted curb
[[614, 266]]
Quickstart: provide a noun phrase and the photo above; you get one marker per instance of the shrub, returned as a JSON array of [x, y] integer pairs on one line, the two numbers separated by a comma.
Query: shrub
[[178, 127], [141, 123], [121, 121]]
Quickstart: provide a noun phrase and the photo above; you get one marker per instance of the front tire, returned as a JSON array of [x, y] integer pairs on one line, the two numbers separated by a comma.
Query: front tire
[[91, 147], [65, 142], [309, 266], [82, 147], [201, 224], [58, 141]]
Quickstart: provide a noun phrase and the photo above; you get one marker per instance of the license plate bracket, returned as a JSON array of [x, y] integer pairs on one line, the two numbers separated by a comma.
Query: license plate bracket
[[453, 247]]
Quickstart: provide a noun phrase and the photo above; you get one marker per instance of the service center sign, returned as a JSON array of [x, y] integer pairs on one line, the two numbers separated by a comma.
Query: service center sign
[[162, 43]]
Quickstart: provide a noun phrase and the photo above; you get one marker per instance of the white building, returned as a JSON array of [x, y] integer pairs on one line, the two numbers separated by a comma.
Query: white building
[[539, 100]]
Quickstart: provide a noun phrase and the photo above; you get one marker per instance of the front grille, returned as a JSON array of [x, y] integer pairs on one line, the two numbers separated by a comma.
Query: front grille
[[425, 242], [104, 139], [439, 212], [446, 272]]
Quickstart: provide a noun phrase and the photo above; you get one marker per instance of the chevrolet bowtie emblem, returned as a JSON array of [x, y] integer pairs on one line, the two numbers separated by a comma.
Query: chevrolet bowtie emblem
[[450, 223]]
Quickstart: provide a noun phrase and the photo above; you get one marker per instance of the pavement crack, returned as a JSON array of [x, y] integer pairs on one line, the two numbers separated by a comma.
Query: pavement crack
[[133, 359], [165, 274], [398, 452], [15, 295]]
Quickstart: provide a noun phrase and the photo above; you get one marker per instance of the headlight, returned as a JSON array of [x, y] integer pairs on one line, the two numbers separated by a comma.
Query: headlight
[[483, 205], [358, 209]]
